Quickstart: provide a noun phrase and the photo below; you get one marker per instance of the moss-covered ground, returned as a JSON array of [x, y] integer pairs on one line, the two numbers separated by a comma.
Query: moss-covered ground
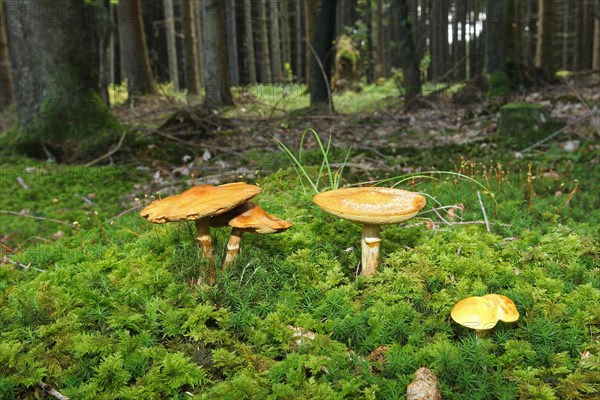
[[107, 309]]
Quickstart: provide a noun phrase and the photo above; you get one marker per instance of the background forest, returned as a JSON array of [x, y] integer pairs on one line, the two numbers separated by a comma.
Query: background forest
[[487, 108]]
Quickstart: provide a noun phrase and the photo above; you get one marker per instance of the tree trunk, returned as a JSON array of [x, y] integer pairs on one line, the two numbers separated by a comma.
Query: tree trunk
[[368, 59], [191, 58], [216, 80], [264, 43], [596, 52], [410, 63], [6, 84], [249, 42], [286, 38], [276, 71], [496, 17], [54, 63], [380, 67], [232, 46], [298, 42], [462, 44], [324, 53], [199, 43], [171, 42], [544, 55], [310, 15], [134, 53]]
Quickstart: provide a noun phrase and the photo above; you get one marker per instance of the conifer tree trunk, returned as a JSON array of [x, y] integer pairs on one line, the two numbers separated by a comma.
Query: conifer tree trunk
[[310, 14], [191, 58], [298, 42], [596, 52], [408, 57], [250, 58], [232, 46], [276, 72], [369, 70], [134, 53], [324, 54], [264, 42], [544, 55], [55, 65], [496, 17], [171, 42], [216, 80], [380, 67], [249, 42], [199, 43], [462, 44], [6, 84], [286, 39]]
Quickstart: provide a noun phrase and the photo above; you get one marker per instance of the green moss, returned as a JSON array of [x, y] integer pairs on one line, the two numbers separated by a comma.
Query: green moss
[[498, 86], [69, 129]]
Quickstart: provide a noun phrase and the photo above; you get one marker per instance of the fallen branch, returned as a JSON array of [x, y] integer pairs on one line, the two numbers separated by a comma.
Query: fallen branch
[[110, 152], [487, 224], [47, 389], [38, 218], [5, 259]]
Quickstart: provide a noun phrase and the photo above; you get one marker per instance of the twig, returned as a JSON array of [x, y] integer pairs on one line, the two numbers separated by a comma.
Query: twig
[[487, 224], [558, 132], [52, 392], [119, 215], [110, 152], [5, 259], [34, 217], [440, 217]]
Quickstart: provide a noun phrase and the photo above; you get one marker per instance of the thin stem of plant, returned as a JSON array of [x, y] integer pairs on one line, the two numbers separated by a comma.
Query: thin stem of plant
[[35, 217]]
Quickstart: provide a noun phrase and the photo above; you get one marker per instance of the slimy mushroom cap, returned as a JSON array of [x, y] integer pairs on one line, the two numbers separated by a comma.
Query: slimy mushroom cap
[[371, 205]]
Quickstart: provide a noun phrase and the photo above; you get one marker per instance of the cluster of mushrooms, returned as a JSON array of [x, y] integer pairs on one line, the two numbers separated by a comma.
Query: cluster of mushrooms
[[229, 205]]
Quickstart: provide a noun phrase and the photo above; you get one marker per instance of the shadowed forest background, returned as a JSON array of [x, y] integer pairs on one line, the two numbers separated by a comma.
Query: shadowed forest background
[[489, 109]]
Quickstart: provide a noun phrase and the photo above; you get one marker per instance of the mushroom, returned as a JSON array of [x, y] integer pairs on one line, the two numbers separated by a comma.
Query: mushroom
[[373, 207], [248, 217], [200, 204], [482, 313]]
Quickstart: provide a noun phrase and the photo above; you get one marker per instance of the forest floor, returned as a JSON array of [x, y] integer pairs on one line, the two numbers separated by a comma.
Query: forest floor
[[97, 303]]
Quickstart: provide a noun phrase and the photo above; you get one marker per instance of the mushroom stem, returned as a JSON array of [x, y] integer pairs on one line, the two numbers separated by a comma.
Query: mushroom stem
[[204, 241], [233, 246], [371, 239]]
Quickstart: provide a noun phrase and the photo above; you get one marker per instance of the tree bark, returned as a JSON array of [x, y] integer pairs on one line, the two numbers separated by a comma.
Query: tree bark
[[299, 42], [191, 58], [496, 17], [368, 59], [310, 15], [6, 84], [171, 43], [286, 39], [232, 46], [380, 67], [264, 43], [199, 43], [408, 58], [596, 52], [276, 71], [134, 53], [56, 74], [216, 79], [322, 45], [249, 42], [544, 55]]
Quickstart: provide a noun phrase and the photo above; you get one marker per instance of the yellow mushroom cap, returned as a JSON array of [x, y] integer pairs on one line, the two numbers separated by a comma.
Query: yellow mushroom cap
[[507, 310], [371, 205], [484, 312], [199, 202]]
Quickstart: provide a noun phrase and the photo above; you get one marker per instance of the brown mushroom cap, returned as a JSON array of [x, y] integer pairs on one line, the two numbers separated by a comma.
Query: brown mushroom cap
[[371, 205], [257, 220], [199, 202], [484, 312]]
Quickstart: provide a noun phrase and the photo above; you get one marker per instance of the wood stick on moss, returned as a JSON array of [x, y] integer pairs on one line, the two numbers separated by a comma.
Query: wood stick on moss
[[487, 224], [35, 217], [47, 389]]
